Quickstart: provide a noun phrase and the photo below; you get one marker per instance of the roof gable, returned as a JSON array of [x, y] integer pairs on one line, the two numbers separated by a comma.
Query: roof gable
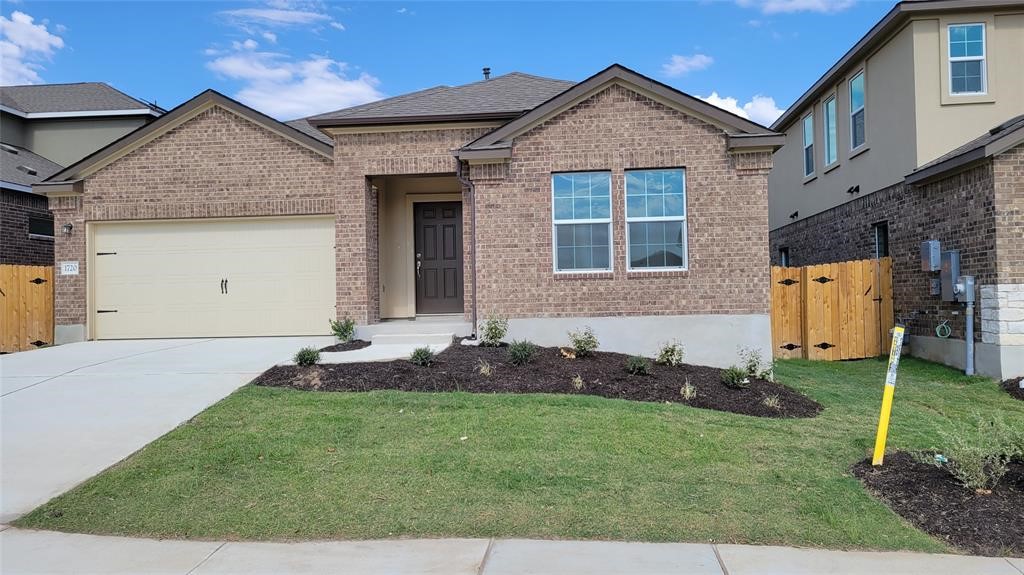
[[178, 116]]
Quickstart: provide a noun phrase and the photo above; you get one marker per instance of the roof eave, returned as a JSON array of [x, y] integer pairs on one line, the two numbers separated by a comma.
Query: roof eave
[[424, 119], [967, 159], [771, 141]]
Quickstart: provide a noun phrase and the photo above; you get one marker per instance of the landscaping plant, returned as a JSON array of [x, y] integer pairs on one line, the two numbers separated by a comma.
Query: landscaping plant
[[771, 401], [422, 356], [688, 391], [307, 356], [638, 365], [671, 354], [344, 329], [493, 330], [577, 382], [736, 377], [521, 352], [483, 367], [750, 359], [977, 453], [584, 342]]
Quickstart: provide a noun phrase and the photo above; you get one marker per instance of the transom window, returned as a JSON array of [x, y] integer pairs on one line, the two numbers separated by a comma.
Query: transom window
[[656, 219], [581, 210], [831, 137], [967, 59], [857, 111], [808, 144]]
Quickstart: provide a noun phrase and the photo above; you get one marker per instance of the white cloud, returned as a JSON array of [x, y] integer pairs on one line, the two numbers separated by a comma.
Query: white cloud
[[23, 44], [789, 6], [761, 109], [276, 16], [338, 26], [249, 44], [285, 88], [269, 37], [680, 65]]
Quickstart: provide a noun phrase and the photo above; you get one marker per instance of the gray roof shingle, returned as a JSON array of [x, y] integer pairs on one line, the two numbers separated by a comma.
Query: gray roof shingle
[[510, 94], [18, 164], [303, 125], [82, 97]]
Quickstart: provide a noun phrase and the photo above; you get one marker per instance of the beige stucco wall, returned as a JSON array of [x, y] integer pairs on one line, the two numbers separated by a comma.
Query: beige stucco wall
[[887, 156], [945, 122], [65, 141], [396, 195], [12, 129]]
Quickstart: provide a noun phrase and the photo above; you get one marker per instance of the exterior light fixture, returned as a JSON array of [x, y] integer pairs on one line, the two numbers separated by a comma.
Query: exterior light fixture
[[67, 228]]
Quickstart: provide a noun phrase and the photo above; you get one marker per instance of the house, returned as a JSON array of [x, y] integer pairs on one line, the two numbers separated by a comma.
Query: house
[[616, 202], [915, 134], [42, 129]]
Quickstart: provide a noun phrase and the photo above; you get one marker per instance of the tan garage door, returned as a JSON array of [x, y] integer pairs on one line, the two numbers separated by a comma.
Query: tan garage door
[[205, 278]]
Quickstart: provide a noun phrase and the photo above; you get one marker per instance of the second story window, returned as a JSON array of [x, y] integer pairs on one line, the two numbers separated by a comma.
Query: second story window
[[808, 144], [831, 136], [967, 59], [857, 111]]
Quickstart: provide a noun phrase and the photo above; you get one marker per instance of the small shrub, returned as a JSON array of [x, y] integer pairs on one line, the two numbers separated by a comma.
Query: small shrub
[[750, 360], [493, 330], [483, 367], [638, 365], [577, 382], [978, 453], [688, 391], [307, 356], [521, 352], [671, 354], [344, 329], [584, 342], [422, 356], [772, 402], [736, 377]]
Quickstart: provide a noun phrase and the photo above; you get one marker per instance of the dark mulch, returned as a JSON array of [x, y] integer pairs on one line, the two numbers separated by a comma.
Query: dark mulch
[[936, 503], [1012, 386], [347, 345], [603, 374]]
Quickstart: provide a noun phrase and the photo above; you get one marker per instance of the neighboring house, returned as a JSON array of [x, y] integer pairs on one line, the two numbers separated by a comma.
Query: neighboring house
[[42, 129], [915, 135], [617, 202]]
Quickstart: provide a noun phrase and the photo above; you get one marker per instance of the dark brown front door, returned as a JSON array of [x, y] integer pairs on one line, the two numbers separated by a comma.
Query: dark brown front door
[[438, 257]]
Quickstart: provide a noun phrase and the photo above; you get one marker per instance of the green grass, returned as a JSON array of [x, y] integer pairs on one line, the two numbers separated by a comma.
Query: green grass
[[281, 464]]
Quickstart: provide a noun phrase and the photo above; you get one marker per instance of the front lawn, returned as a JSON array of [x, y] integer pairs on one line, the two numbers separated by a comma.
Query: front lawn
[[270, 463]]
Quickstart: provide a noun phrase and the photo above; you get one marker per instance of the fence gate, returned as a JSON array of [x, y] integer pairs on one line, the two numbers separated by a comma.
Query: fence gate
[[26, 307], [832, 311]]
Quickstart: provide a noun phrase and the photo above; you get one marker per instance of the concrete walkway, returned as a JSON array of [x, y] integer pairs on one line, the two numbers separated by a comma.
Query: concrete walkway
[[70, 411], [23, 552]]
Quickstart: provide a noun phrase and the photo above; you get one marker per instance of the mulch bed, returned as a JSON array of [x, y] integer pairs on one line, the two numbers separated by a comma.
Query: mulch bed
[[347, 345], [603, 374], [936, 503], [1012, 386]]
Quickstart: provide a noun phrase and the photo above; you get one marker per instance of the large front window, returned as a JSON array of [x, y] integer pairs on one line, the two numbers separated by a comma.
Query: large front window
[[967, 59], [656, 219], [857, 111], [582, 216]]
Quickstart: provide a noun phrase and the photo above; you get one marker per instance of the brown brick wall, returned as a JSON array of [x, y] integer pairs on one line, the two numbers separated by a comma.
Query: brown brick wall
[[619, 129], [15, 246], [214, 165], [1008, 170]]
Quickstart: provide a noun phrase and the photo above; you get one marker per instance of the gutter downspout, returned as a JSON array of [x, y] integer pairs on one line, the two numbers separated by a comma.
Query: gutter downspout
[[468, 184]]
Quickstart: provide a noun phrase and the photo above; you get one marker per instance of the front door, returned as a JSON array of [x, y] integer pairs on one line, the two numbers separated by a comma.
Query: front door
[[438, 257]]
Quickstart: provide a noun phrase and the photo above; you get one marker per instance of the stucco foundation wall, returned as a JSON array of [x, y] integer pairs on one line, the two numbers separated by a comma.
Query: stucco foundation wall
[[16, 247], [618, 129], [212, 166]]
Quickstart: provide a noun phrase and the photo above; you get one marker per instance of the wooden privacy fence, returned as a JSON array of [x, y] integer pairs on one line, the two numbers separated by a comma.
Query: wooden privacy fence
[[26, 307], [832, 311]]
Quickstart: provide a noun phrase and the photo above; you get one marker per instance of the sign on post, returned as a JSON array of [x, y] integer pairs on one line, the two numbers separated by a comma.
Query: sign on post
[[890, 388]]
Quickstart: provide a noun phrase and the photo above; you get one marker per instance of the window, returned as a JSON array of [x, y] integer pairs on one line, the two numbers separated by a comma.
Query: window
[[656, 219], [808, 144], [40, 227], [784, 257], [881, 230], [967, 59], [583, 221], [831, 136], [857, 111]]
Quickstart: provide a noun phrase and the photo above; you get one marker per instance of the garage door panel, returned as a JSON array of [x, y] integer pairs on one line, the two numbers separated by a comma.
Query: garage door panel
[[165, 279]]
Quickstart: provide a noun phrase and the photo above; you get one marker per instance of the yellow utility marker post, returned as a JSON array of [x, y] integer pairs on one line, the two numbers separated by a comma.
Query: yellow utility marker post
[[890, 388]]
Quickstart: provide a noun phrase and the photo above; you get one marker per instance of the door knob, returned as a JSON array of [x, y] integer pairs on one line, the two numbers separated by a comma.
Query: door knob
[[418, 264]]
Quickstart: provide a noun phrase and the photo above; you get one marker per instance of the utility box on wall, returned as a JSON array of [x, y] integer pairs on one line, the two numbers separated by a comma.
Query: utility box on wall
[[931, 260], [949, 274]]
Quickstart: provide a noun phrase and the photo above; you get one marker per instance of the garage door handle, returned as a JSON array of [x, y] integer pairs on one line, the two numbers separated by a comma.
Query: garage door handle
[[225, 286], [222, 285]]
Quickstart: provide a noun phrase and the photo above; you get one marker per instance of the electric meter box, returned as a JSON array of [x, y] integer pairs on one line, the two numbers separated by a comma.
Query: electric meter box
[[949, 274], [931, 259], [966, 293]]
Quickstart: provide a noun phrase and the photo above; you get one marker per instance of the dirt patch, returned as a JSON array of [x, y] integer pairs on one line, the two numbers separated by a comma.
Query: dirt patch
[[936, 503], [347, 346], [603, 374], [1012, 386]]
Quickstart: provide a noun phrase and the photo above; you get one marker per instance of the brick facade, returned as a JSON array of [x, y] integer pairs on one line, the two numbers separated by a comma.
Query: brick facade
[[16, 247]]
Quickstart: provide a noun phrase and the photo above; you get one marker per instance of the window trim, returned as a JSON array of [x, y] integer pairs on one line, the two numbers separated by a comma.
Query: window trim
[[649, 219], [803, 126], [556, 222], [824, 131], [950, 59], [863, 107]]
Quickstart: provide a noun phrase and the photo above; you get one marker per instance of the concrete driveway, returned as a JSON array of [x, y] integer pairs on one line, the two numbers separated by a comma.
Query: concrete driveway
[[69, 412]]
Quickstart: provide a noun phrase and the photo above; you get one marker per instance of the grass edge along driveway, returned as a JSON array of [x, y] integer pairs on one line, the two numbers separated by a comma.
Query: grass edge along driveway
[[277, 464]]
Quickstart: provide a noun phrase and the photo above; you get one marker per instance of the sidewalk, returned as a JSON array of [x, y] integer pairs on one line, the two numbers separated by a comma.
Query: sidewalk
[[24, 551]]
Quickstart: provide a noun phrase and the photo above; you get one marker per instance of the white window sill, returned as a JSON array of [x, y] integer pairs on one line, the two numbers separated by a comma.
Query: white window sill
[[859, 150], [831, 167], [810, 178]]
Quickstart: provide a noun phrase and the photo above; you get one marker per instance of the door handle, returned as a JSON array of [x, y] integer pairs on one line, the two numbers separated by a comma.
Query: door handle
[[222, 286], [225, 285], [418, 264]]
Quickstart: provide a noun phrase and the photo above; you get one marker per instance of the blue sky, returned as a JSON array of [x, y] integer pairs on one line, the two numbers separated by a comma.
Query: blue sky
[[291, 58]]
